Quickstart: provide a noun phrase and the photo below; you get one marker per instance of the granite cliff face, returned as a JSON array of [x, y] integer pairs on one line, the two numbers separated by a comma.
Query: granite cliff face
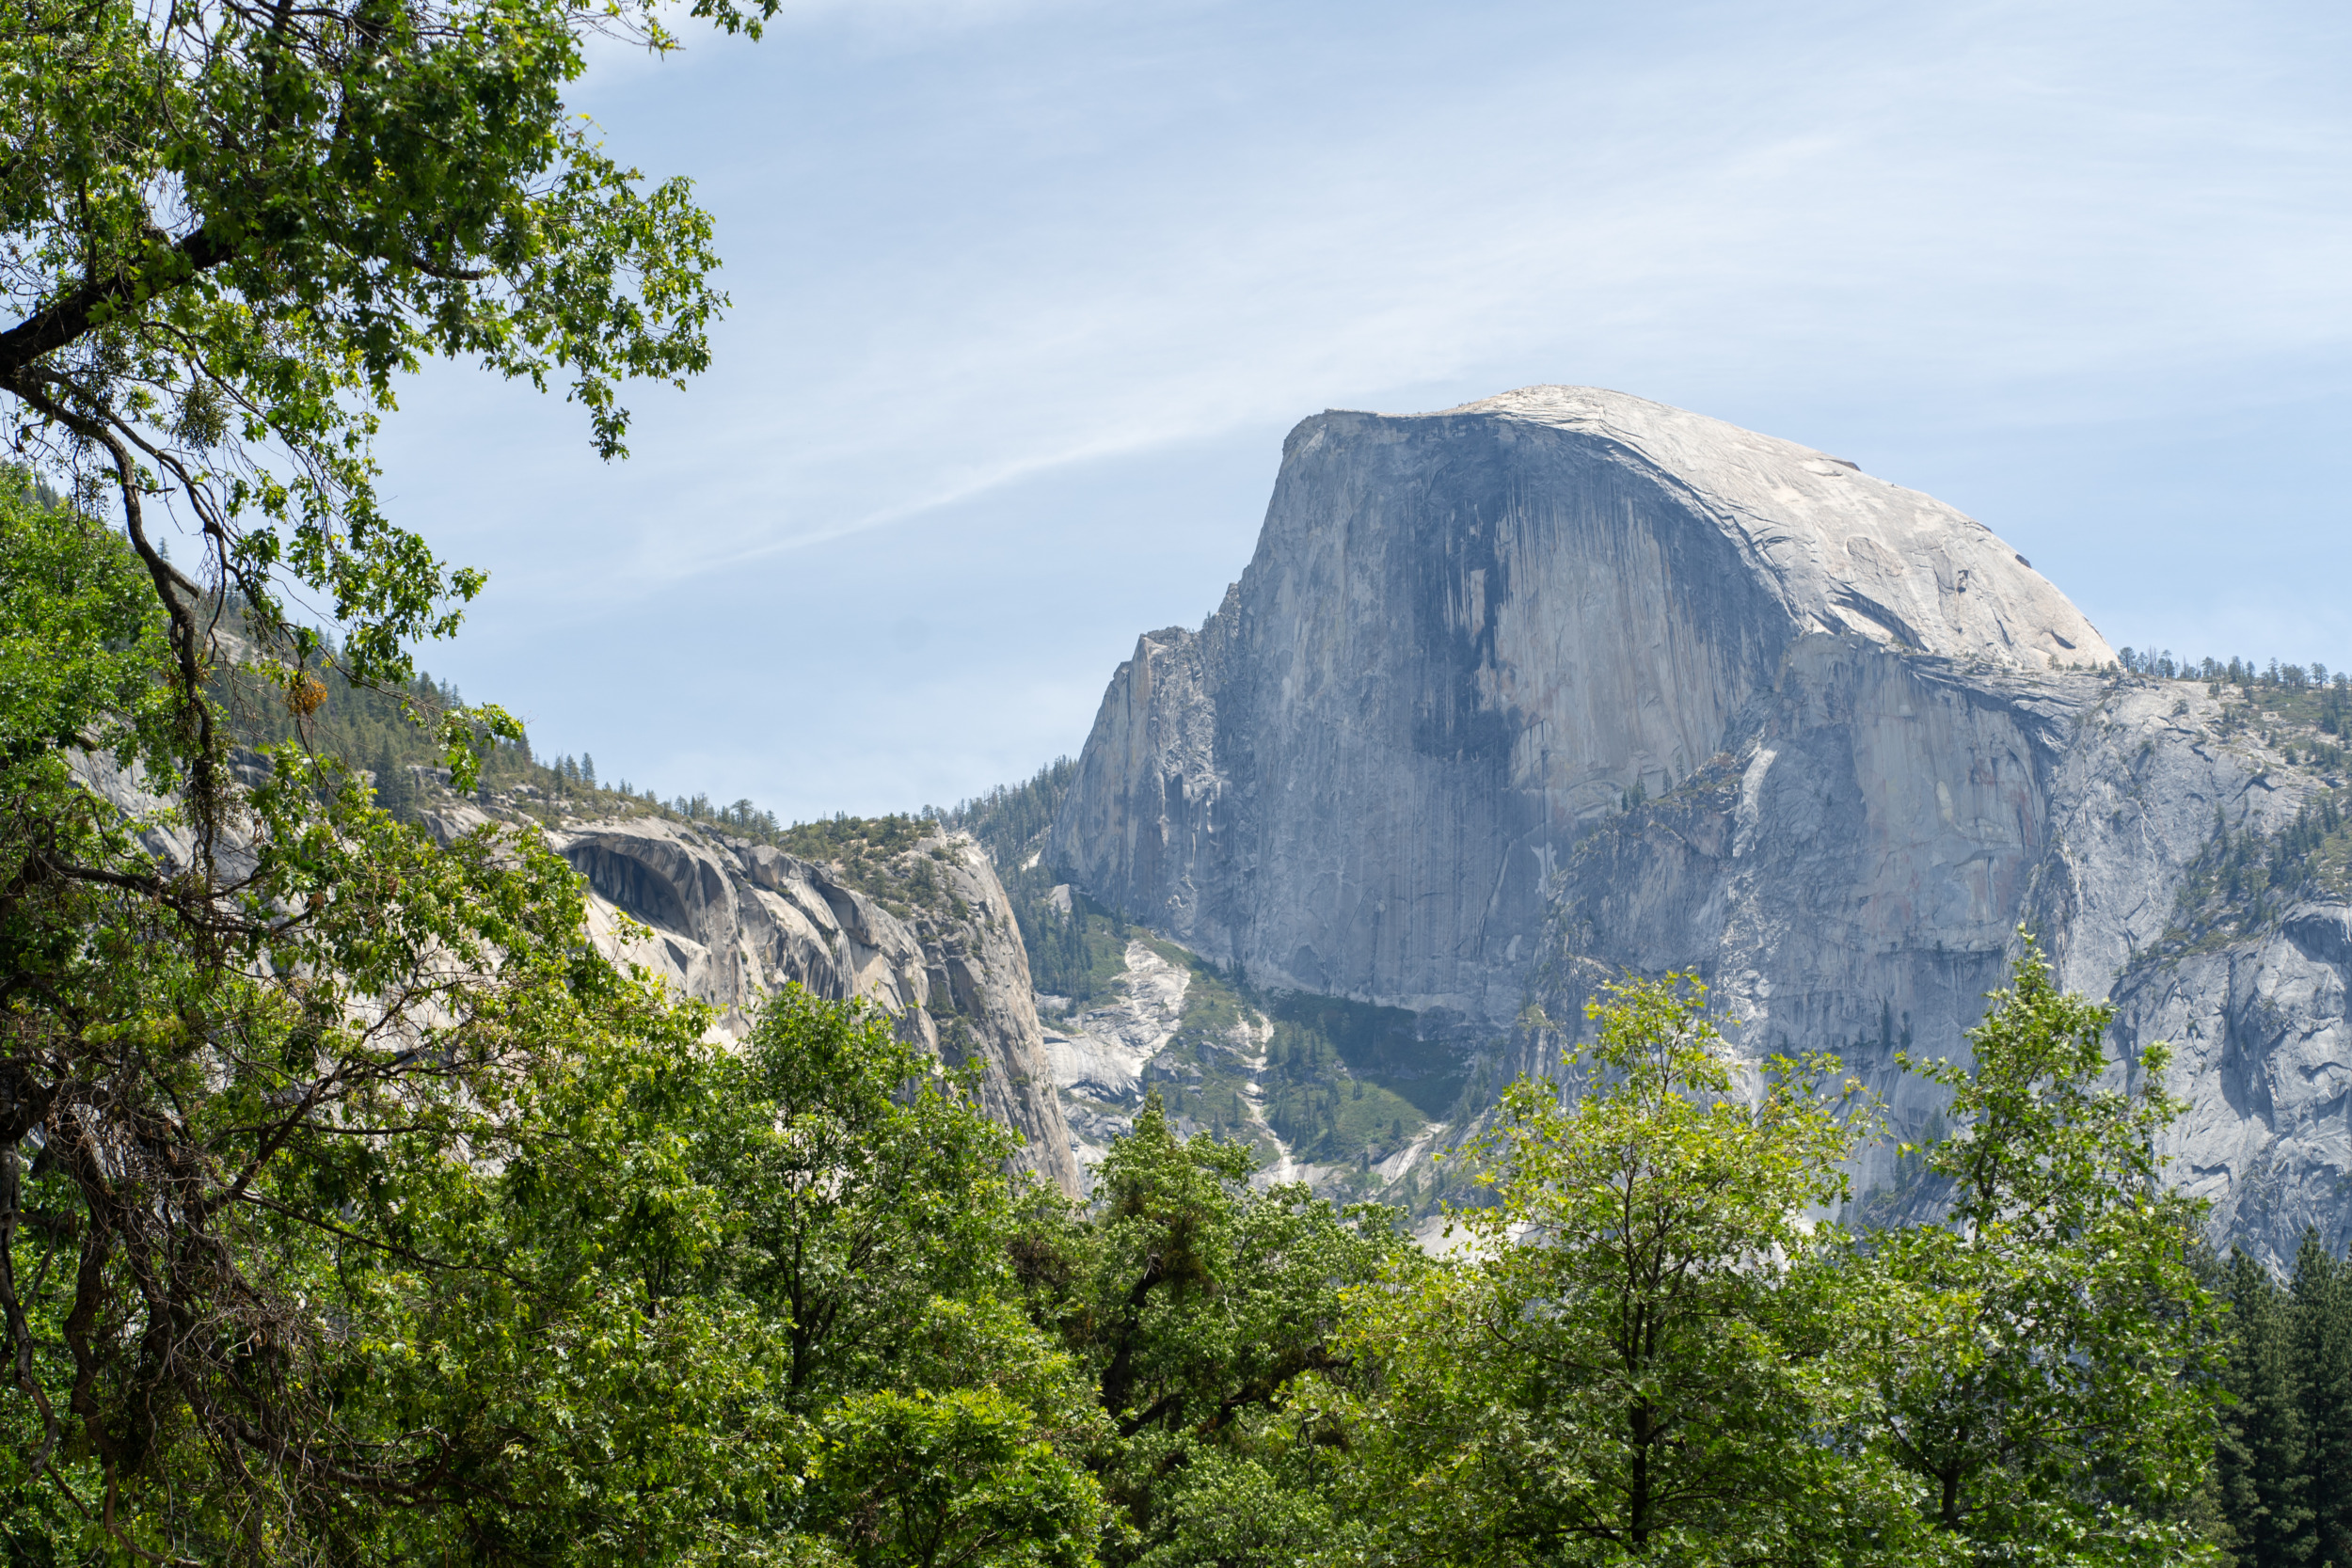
[[731, 922], [919, 925], [1463, 638], [1518, 694]]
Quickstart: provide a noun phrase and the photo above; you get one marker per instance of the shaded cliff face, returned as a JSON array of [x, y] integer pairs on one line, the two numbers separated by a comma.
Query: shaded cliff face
[[1851, 879], [1464, 638], [1516, 697], [732, 922], [923, 930]]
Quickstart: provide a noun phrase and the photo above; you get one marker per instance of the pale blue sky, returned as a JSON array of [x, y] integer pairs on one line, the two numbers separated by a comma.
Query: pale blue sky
[[1026, 295]]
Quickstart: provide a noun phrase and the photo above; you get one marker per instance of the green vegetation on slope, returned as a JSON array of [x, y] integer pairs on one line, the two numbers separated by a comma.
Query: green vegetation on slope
[[2244, 881], [1011, 821], [1342, 1084], [1073, 953], [2286, 709], [387, 733], [877, 856], [1208, 1063], [1383, 1044], [1351, 1083], [1077, 956]]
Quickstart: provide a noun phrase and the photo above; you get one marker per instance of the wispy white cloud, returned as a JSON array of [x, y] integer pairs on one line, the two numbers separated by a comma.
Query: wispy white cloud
[[1915, 211], [981, 248]]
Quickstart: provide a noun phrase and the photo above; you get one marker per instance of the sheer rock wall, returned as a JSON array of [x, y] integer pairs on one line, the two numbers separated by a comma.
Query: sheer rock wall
[[731, 922], [1463, 638], [1515, 696]]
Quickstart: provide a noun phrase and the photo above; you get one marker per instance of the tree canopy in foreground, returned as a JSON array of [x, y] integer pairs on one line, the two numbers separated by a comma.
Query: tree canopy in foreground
[[247, 1016]]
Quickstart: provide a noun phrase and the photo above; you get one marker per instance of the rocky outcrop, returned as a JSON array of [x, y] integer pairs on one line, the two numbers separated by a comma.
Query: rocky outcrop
[[2265, 1058], [1210, 1067], [921, 928], [1853, 875], [729, 921], [1463, 638], [1098, 1055], [1519, 695]]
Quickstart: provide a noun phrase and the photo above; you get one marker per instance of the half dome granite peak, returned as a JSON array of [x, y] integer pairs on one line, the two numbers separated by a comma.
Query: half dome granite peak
[[1850, 552], [1516, 696]]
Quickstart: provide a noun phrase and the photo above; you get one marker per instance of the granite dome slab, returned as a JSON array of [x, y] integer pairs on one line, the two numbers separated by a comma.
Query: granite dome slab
[[1518, 694], [1846, 552]]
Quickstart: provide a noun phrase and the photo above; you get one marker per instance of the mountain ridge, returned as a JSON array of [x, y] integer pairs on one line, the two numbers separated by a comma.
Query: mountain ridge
[[1556, 684]]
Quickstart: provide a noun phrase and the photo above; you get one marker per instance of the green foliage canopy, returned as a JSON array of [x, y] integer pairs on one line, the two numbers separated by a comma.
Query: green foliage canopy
[[2054, 1381], [232, 227], [1651, 1344], [266, 1052]]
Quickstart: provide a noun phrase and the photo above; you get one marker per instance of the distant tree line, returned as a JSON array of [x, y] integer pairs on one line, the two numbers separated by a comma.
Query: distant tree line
[[377, 726], [2162, 665], [1011, 821], [1073, 952]]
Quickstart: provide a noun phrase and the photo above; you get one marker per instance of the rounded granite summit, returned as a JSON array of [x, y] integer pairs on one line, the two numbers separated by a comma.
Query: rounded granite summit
[[1845, 550]]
